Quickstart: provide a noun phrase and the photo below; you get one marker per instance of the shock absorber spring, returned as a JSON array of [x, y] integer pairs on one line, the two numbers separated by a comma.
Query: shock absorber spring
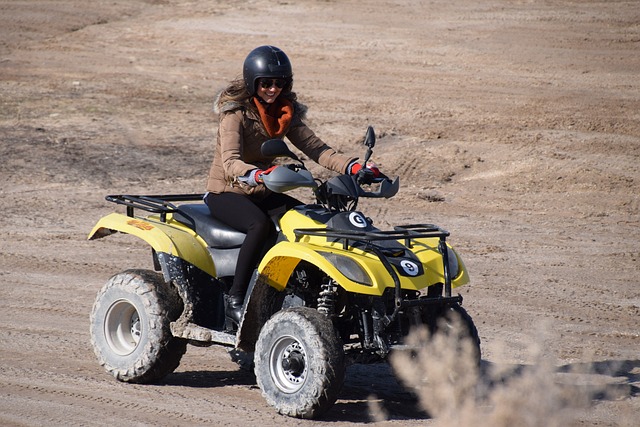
[[327, 297]]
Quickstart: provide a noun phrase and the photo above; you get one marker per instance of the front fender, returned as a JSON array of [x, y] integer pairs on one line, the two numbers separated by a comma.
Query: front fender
[[278, 265], [173, 239]]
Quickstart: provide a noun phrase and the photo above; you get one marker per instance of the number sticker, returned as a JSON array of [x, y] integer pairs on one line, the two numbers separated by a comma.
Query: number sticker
[[357, 220], [409, 267]]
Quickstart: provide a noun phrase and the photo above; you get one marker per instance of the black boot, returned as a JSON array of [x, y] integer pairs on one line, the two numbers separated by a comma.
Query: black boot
[[233, 311]]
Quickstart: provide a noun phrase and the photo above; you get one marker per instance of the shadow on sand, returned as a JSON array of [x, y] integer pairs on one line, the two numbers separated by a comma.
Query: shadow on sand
[[369, 386]]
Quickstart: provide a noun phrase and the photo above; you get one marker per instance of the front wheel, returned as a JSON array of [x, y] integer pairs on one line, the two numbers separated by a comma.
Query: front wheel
[[130, 327], [455, 323], [443, 349], [299, 362]]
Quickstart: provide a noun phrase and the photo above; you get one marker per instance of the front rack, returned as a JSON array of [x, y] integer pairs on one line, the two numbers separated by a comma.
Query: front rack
[[406, 232], [161, 204]]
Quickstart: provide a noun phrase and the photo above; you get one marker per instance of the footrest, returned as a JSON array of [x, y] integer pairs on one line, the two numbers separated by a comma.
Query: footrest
[[194, 332]]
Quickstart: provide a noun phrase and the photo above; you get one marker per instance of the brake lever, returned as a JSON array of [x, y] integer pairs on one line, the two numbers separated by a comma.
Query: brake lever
[[365, 176]]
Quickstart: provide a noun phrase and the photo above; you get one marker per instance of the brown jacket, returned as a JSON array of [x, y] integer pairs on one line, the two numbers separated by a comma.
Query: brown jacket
[[240, 135]]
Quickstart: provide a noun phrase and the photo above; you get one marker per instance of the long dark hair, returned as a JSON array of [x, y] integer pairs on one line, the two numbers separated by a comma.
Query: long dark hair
[[236, 92]]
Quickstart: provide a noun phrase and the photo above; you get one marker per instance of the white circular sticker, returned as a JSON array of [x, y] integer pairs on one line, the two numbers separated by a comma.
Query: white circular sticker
[[409, 267], [357, 220]]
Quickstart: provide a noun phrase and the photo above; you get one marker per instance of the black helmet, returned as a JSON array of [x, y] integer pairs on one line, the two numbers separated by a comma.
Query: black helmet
[[265, 61]]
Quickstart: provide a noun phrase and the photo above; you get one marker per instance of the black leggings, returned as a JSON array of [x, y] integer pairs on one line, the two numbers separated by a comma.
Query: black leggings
[[253, 218]]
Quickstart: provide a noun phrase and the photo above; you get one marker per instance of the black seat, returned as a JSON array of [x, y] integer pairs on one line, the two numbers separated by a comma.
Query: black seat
[[215, 233]]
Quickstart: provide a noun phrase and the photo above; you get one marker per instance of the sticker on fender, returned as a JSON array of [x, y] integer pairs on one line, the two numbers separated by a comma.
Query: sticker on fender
[[140, 224]]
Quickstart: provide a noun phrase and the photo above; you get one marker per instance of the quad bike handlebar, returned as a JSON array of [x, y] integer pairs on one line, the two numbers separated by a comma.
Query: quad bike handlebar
[[340, 193]]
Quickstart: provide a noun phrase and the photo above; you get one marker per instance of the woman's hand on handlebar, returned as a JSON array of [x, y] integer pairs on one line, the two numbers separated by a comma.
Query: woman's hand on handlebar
[[368, 174], [261, 172]]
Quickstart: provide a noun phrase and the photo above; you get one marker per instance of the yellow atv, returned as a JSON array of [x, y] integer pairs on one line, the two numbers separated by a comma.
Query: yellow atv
[[331, 288]]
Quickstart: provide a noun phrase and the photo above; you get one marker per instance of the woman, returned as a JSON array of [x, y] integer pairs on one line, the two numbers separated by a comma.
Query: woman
[[258, 107]]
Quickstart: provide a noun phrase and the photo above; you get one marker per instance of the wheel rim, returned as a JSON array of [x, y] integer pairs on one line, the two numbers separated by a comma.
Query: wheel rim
[[288, 364], [122, 327]]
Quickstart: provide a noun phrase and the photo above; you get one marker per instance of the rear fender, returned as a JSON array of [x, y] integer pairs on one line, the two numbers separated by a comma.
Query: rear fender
[[174, 239]]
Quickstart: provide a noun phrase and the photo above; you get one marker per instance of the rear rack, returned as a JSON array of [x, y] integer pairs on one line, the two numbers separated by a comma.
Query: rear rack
[[407, 233], [161, 204]]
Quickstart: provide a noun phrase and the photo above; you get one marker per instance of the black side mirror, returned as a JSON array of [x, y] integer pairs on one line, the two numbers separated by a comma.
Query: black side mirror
[[370, 137], [370, 142]]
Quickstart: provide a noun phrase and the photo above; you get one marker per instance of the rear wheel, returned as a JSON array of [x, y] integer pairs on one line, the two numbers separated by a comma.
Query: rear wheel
[[299, 362], [130, 327]]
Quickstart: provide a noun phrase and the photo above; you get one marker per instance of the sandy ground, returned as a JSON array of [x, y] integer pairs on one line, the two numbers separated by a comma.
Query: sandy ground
[[513, 124]]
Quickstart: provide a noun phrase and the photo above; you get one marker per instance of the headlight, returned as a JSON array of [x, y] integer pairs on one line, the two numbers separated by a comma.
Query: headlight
[[349, 268], [454, 267]]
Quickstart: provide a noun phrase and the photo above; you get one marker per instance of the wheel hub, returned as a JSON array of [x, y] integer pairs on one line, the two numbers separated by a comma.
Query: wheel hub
[[294, 363], [288, 365], [122, 327]]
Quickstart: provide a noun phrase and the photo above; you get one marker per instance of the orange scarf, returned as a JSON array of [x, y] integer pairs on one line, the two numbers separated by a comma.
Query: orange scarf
[[276, 117]]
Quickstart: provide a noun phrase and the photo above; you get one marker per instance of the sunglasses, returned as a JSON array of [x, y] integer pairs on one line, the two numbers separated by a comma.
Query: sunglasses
[[268, 83]]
